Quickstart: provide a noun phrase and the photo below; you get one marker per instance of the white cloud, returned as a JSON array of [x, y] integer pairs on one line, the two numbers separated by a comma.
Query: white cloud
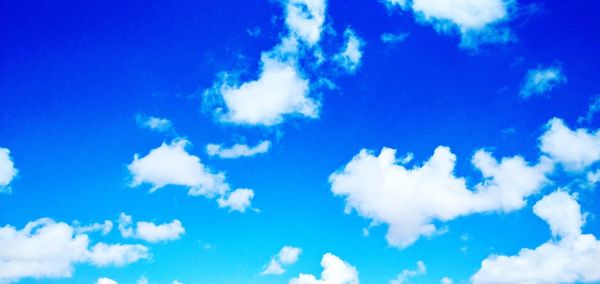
[[154, 123], [148, 231], [477, 21], [176, 282], [237, 150], [104, 228], [288, 255], [351, 54], [541, 80], [574, 149], [446, 280], [406, 274], [171, 164], [572, 257], [7, 170], [47, 249], [238, 200], [305, 19], [335, 271], [104, 280], [393, 38], [142, 280], [410, 200]]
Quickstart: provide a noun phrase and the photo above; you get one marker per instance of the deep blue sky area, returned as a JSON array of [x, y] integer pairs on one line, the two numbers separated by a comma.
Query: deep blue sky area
[[74, 75]]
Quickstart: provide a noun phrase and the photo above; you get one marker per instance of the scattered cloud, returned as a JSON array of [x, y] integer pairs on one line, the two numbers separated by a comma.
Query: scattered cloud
[[47, 249], [154, 123], [148, 231], [350, 55], [104, 280], [288, 255], [567, 258], [237, 150], [237, 200], [142, 280], [477, 21], [335, 271], [446, 280], [394, 38], [406, 274], [409, 200], [574, 149], [7, 170], [541, 80], [104, 228], [592, 110]]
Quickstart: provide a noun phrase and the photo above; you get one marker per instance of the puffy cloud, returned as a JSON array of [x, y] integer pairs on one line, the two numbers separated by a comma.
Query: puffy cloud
[[7, 170], [154, 123], [47, 249], [148, 231], [574, 149], [477, 21], [280, 90], [351, 54], [410, 200], [446, 280], [572, 257], [104, 280], [105, 227], [335, 271], [403, 277], [171, 164], [238, 200], [541, 80], [288, 255], [237, 150], [305, 19]]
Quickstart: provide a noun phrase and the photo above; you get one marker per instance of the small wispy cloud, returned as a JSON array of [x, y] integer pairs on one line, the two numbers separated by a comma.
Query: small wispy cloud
[[154, 123], [541, 80]]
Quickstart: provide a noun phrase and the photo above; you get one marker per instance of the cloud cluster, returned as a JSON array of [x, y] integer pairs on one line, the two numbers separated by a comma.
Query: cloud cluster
[[335, 271], [282, 88], [576, 149], [541, 80], [171, 164], [237, 150], [410, 200], [477, 21], [149, 231], [47, 249], [288, 255], [7, 170], [567, 258]]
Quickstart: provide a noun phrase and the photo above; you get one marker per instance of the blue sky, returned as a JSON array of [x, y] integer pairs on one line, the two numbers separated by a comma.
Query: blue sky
[[103, 102]]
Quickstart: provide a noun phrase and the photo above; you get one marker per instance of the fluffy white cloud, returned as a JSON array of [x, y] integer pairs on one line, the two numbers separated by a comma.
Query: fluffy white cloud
[[305, 19], [410, 200], [105, 227], [148, 231], [477, 21], [335, 271], [237, 150], [171, 164], [237, 200], [280, 90], [541, 80], [7, 169], [288, 255], [351, 54], [104, 280], [154, 123], [572, 257], [406, 274], [47, 249], [574, 149]]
